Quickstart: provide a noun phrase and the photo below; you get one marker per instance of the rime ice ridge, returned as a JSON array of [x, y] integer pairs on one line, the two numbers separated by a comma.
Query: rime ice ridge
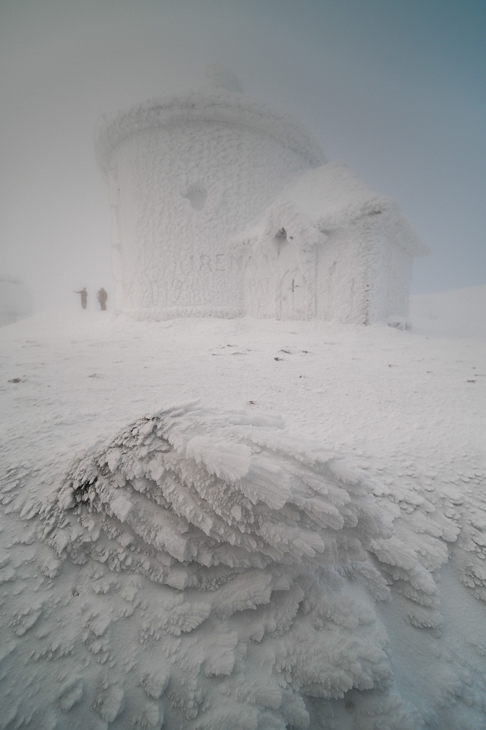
[[249, 568], [209, 491]]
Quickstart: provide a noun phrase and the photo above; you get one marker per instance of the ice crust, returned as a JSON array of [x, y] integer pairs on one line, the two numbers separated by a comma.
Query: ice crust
[[236, 576]]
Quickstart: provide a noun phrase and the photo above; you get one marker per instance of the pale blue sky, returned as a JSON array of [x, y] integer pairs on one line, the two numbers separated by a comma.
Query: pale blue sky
[[395, 88]]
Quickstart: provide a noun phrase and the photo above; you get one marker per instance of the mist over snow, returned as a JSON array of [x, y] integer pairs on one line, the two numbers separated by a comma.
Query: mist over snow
[[251, 494], [460, 313], [15, 300], [394, 90]]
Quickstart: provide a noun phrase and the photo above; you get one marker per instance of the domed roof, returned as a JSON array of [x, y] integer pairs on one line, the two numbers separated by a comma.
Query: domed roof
[[208, 106]]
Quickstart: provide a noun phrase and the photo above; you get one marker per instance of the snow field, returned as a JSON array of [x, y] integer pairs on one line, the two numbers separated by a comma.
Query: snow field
[[222, 565]]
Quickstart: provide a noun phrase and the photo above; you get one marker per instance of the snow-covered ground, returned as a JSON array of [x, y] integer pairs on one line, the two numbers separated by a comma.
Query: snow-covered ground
[[459, 313], [304, 548]]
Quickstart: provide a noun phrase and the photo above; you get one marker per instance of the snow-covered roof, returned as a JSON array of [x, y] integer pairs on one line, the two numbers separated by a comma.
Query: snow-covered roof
[[324, 199], [208, 106]]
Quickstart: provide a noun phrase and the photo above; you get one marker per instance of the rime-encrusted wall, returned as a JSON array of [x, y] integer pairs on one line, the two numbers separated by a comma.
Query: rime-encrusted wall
[[185, 176], [364, 273], [343, 263], [329, 247]]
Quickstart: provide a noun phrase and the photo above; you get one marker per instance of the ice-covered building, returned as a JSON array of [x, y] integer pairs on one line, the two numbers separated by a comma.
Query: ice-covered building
[[221, 207], [329, 247], [15, 300], [186, 174]]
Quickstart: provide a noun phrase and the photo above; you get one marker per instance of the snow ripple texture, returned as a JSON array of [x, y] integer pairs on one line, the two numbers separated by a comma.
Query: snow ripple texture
[[212, 574]]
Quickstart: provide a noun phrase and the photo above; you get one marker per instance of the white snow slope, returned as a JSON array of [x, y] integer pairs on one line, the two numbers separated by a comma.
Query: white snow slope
[[460, 313], [303, 549]]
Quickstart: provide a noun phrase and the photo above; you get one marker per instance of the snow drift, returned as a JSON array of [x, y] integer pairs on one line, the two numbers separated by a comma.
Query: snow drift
[[202, 570]]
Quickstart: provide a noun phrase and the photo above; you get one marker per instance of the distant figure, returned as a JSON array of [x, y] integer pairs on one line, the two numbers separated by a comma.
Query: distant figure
[[84, 297], [102, 297]]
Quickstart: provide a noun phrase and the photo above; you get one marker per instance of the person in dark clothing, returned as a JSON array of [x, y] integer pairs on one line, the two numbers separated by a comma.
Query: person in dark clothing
[[102, 297], [84, 297]]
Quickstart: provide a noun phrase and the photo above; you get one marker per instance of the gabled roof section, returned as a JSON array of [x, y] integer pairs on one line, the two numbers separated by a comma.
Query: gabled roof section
[[324, 199], [283, 217]]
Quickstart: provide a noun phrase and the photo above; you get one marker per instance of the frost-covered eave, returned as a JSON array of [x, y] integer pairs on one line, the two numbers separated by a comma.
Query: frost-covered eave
[[281, 219], [304, 231], [371, 214], [200, 107], [326, 199]]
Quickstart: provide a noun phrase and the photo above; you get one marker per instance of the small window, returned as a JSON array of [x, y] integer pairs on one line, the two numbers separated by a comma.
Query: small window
[[196, 195]]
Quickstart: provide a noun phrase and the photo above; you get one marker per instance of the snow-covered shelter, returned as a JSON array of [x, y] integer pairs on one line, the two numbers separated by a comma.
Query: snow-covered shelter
[[221, 207], [15, 300], [330, 247]]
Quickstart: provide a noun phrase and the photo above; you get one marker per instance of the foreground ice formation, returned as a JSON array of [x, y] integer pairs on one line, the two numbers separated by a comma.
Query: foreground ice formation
[[203, 571]]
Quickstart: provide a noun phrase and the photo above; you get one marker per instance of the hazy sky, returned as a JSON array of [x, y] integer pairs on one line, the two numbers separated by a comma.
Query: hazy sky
[[394, 88]]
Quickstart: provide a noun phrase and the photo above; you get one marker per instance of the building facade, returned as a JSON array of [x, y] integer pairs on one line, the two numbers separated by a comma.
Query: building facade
[[221, 207]]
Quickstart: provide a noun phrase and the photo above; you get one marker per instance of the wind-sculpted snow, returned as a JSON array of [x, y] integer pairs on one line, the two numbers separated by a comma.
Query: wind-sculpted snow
[[125, 605], [209, 572], [221, 493]]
